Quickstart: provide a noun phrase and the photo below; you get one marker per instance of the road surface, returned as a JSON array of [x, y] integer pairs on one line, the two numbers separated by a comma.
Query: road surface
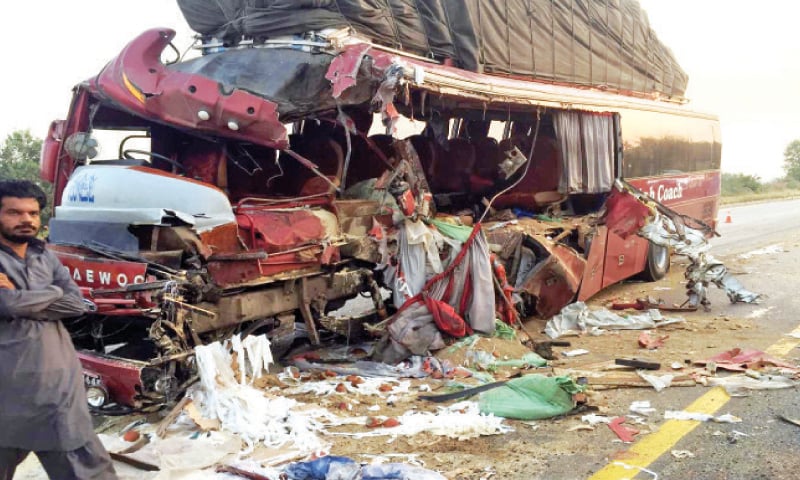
[[756, 224]]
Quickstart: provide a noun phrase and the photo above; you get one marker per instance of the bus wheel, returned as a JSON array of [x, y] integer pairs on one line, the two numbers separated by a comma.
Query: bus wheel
[[657, 263]]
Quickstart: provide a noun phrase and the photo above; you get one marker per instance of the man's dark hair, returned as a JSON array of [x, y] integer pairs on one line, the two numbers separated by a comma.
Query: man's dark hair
[[22, 189]]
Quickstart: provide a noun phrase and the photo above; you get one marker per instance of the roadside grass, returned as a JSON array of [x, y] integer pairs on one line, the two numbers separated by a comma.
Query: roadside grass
[[782, 194]]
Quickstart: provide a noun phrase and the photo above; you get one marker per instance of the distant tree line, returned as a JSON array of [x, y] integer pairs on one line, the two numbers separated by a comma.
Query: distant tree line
[[743, 184]]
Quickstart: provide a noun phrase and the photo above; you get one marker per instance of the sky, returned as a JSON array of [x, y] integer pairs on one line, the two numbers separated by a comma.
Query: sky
[[741, 57]]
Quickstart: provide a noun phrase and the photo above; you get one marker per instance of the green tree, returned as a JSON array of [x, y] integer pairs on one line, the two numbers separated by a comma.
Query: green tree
[[19, 160], [791, 161], [740, 183]]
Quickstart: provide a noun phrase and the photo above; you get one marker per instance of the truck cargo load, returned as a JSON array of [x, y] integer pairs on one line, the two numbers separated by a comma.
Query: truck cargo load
[[605, 44]]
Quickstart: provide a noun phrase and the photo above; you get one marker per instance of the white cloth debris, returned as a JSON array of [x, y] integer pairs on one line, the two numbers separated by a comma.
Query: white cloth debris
[[575, 353], [680, 454], [369, 386], [593, 419], [461, 421], [642, 407], [246, 411], [577, 318], [635, 467], [739, 385], [768, 250], [700, 417], [659, 382]]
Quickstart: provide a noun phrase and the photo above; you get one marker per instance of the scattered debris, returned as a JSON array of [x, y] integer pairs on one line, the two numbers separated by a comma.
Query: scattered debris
[[579, 427], [739, 360], [171, 416], [638, 364], [577, 318], [594, 419], [768, 250], [147, 467], [239, 472], [700, 417], [681, 454], [131, 435], [461, 421], [649, 304], [624, 433], [635, 467], [642, 407], [468, 392], [650, 343], [739, 385], [575, 353], [659, 382], [793, 421]]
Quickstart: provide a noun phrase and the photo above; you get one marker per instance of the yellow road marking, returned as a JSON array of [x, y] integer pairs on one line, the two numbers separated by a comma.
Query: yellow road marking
[[650, 448], [785, 345]]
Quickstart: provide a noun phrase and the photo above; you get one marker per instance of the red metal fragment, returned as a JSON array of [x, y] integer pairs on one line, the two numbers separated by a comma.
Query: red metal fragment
[[650, 343], [624, 433]]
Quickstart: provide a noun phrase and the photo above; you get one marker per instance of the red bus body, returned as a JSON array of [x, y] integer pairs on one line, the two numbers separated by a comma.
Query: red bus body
[[284, 252]]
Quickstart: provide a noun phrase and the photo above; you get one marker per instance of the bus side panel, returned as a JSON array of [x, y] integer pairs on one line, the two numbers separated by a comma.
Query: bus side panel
[[624, 258], [695, 194], [592, 281]]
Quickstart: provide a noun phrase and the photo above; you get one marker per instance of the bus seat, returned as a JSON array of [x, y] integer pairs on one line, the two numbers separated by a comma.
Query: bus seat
[[454, 167], [364, 162], [427, 152], [322, 151], [487, 157], [538, 189]]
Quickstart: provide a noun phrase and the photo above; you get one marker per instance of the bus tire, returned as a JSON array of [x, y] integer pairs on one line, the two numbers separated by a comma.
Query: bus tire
[[657, 264]]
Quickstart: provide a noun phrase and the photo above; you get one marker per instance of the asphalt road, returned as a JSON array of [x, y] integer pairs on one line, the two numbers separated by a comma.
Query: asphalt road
[[756, 224]]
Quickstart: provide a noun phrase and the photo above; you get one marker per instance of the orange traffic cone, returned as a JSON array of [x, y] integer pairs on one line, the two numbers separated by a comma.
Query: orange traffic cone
[[728, 218]]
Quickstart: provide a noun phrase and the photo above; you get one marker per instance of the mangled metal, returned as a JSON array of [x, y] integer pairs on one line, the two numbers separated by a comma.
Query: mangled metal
[[249, 229], [666, 228]]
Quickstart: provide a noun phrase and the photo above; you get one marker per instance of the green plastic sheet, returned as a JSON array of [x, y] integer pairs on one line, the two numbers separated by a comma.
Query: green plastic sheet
[[456, 232], [532, 397]]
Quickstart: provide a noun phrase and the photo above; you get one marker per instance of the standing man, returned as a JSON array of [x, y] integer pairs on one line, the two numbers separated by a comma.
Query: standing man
[[43, 405]]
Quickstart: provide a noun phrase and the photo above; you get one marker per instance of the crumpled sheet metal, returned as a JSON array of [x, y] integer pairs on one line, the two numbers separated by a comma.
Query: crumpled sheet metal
[[662, 230], [704, 268], [740, 360], [577, 318], [553, 280]]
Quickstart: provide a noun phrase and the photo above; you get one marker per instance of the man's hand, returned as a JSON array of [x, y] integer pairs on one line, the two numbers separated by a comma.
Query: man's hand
[[6, 283]]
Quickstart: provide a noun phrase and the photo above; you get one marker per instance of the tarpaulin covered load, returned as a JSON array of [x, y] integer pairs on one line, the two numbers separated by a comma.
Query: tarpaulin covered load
[[600, 43]]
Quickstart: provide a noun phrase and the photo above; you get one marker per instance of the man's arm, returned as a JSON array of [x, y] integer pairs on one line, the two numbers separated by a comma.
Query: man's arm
[[25, 303], [71, 304]]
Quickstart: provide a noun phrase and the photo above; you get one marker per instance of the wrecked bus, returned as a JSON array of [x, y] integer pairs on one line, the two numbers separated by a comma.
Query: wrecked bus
[[257, 190]]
